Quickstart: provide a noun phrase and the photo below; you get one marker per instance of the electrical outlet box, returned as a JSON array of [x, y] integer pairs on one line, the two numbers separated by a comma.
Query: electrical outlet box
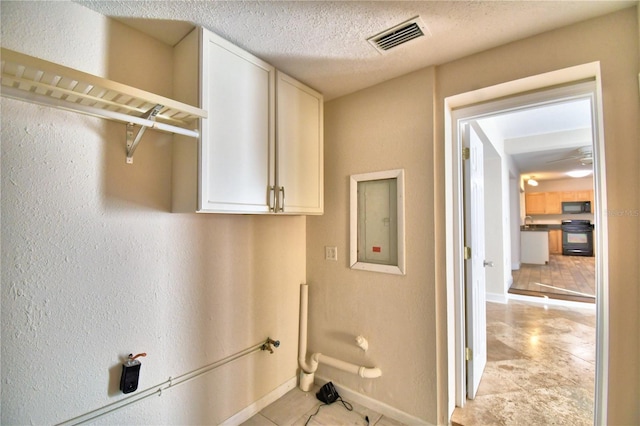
[[330, 253], [130, 376]]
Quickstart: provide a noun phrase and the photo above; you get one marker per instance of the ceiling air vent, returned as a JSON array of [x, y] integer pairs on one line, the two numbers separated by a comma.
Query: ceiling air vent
[[400, 34]]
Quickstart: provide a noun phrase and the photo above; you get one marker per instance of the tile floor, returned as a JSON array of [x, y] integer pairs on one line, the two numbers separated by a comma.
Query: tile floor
[[295, 408], [540, 367], [540, 371], [564, 277]]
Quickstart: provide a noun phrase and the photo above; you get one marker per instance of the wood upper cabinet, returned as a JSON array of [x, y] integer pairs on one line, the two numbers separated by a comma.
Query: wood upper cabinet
[[543, 203], [551, 202], [254, 156], [535, 202], [583, 195]]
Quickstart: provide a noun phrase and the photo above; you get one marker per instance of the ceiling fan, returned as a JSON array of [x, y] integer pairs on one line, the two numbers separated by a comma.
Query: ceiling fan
[[582, 155]]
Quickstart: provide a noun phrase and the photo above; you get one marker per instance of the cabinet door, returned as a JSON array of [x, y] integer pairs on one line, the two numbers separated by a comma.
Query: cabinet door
[[237, 146], [553, 202], [555, 241], [584, 195], [299, 147], [535, 203], [569, 196]]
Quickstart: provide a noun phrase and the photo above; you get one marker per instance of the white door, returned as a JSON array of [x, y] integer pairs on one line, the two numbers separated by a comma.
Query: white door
[[476, 321]]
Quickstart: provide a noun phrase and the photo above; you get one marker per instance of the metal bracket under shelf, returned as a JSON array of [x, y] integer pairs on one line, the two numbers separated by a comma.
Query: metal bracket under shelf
[[35, 80], [132, 142]]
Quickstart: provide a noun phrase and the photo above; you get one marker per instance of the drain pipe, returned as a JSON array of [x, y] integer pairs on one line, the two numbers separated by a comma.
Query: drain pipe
[[364, 372], [308, 369]]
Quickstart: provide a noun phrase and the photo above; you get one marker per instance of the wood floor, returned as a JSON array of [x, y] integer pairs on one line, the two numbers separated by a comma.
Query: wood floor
[[564, 277]]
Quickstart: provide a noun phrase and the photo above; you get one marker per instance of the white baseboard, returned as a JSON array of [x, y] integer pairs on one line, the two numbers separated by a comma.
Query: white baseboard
[[515, 266], [497, 298], [256, 407], [380, 407]]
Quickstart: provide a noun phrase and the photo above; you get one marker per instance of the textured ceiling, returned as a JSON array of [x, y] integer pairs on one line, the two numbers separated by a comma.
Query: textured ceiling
[[323, 43], [542, 140]]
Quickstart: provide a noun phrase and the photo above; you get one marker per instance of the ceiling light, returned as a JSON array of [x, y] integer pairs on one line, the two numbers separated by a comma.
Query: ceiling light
[[532, 181], [579, 173]]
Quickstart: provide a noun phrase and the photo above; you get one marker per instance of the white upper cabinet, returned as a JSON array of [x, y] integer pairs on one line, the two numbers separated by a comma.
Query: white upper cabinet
[[237, 139], [260, 151], [299, 149]]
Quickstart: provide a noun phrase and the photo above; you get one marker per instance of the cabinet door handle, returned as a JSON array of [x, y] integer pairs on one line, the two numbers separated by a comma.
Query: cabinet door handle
[[281, 205], [271, 195]]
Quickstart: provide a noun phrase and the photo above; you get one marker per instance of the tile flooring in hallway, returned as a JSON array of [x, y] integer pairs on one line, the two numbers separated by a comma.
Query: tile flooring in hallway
[[296, 406], [540, 367], [564, 277]]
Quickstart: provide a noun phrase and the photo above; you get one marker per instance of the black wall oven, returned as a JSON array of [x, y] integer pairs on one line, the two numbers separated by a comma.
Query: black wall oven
[[577, 238]]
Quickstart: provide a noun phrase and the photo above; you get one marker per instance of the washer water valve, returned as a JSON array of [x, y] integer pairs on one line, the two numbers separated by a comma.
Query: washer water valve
[[266, 346], [362, 343]]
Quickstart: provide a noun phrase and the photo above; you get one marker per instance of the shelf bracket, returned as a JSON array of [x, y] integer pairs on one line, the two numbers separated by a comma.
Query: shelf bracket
[[133, 141]]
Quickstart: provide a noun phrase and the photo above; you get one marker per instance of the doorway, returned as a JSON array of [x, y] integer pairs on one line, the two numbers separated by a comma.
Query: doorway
[[548, 151], [465, 107]]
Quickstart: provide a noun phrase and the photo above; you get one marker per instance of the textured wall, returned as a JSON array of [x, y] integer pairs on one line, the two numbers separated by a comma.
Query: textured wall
[[382, 128], [94, 266]]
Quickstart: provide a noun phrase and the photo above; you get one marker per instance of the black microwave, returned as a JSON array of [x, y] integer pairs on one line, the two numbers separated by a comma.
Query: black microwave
[[576, 207]]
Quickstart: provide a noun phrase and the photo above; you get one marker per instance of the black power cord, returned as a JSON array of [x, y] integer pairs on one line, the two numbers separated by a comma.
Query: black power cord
[[346, 405]]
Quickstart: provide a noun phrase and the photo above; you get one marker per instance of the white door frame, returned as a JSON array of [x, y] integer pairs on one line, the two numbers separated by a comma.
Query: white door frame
[[475, 104]]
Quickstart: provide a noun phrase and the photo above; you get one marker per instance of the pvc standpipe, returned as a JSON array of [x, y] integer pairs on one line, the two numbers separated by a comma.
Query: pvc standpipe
[[309, 368]]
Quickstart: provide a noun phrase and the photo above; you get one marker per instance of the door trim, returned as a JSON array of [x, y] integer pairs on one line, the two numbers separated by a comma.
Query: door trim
[[510, 95]]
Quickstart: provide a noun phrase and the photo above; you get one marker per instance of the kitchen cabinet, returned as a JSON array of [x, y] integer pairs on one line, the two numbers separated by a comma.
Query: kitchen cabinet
[[534, 247], [543, 203], [583, 195], [299, 147], [261, 147], [553, 203], [535, 203], [555, 241]]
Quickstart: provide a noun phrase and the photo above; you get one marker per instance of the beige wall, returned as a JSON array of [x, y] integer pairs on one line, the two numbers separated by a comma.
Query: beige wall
[[392, 125], [381, 128], [613, 41], [577, 184], [94, 265]]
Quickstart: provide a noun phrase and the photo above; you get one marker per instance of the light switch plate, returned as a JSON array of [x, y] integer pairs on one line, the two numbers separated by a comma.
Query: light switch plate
[[330, 253]]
